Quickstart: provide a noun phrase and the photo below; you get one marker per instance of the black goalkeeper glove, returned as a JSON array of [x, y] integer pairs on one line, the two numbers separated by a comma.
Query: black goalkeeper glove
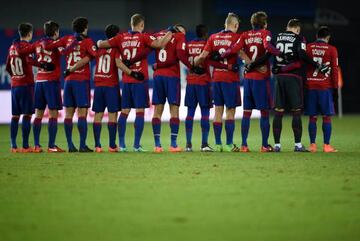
[[198, 70], [215, 56], [47, 66], [137, 75], [276, 69], [248, 67]]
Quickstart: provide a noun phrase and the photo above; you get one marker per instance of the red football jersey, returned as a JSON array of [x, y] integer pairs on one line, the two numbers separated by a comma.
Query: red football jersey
[[50, 56], [194, 48], [255, 43], [106, 71], [131, 44], [220, 42], [19, 63], [322, 53], [168, 55]]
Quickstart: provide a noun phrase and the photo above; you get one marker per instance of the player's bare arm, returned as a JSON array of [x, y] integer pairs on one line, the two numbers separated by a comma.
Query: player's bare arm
[[162, 41], [103, 44], [201, 58], [135, 74]]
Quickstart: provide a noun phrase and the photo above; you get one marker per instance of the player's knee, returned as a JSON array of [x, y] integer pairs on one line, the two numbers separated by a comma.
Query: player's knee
[[53, 113]]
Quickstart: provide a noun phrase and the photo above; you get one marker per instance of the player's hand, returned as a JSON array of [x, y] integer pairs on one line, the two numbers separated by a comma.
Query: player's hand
[[276, 69], [173, 29], [215, 56], [127, 63], [66, 73], [325, 69], [248, 67], [198, 70], [154, 66], [234, 67], [47, 66], [137, 75]]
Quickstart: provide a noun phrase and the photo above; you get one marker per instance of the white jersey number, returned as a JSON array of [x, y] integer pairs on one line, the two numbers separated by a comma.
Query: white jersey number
[[104, 64], [16, 66]]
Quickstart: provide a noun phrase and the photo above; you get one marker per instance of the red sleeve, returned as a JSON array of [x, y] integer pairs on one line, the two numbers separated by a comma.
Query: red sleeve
[[55, 44], [68, 47], [27, 49], [181, 52], [268, 45], [334, 68], [208, 47], [148, 39], [91, 48], [115, 41], [239, 44], [8, 67]]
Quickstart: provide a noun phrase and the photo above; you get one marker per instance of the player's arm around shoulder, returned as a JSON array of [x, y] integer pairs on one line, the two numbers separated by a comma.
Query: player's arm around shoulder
[[161, 42], [205, 53]]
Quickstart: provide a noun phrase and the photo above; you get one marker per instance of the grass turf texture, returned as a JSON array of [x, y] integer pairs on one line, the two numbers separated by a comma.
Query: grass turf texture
[[185, 196]]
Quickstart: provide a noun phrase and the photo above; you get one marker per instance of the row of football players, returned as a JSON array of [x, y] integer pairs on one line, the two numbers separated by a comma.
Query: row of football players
[[128, 51]]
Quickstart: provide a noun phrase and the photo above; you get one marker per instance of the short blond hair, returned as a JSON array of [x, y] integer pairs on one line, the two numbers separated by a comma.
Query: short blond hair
[[136, 19], [232, 18]]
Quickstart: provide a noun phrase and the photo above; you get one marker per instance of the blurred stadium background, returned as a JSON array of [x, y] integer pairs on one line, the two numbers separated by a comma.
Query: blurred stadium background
[[159, 14]]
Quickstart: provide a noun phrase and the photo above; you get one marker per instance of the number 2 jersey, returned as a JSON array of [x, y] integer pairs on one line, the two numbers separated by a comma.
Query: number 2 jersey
[[220, 42], [18, 63], [132, 44], [255, 43], [323, 53]]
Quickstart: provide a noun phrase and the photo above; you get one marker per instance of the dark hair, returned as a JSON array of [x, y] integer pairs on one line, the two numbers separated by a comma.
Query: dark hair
[[111, 30], [294, 23], [258, 20], [24, 29], [323, 32], [50, 27], [201, 31], [136, 19], [79, 24]]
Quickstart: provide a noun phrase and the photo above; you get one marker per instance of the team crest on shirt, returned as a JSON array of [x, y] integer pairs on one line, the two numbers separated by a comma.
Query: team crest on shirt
[[93, 48], [268, 38], [303, 46]]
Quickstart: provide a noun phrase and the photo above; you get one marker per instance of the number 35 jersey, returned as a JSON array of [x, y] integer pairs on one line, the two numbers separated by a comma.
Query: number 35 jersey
[[322, 53], [290, 44]]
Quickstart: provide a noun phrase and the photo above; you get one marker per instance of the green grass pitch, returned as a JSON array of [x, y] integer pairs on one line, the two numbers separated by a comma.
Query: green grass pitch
[[186, 196]]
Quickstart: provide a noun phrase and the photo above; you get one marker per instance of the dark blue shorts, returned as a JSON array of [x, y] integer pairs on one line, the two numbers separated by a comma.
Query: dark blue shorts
[[257, 94], [106, 97], [77, 94], [22, 100], [319, 102], [166, 88], [48, 93], [135, 95], [198, 94], [227, 94]]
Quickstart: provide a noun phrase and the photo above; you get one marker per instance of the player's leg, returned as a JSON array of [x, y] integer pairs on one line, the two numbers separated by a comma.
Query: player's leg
[[99, 105], [327, 110], [141, 101], [54, 102], [174, 127], [113, 104], [82, 100], [191, 103], [205, 102], [279, 111], [158, 99], [172, 91], [14, 125], [27, 106], [40, 105], [245, 122], [219, 111], [122, 128], [294, 97], [69, 104], [231, 93], [311, 100], [97, 130]]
